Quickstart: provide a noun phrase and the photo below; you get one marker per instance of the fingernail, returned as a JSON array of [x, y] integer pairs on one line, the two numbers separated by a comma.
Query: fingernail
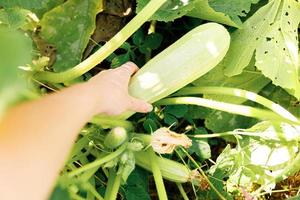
[[149, 107], [131, 65]]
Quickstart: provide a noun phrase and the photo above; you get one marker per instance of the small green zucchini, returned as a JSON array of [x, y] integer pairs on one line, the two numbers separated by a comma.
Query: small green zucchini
[[115, 138], [190, 57]]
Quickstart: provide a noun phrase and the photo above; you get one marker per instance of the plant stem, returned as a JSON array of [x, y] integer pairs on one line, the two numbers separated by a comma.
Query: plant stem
[[105, 50], [109, 122], [113, 185], [99, 162], [92, 189], [182, 192], [243, 94], [203, 174], [159, 183], [227, 107]]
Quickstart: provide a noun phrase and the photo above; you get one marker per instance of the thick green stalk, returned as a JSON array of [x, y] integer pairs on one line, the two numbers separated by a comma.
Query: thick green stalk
[[243, 94], [113, 185], [99, 162], [105, 50], [227, 107], [159, 183]]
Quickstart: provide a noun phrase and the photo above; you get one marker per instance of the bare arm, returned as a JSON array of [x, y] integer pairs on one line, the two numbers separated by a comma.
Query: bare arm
[[36, 137]]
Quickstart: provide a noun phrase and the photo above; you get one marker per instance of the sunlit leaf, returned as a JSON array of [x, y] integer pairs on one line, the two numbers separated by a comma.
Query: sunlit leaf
[[277, 54], [245, 40]]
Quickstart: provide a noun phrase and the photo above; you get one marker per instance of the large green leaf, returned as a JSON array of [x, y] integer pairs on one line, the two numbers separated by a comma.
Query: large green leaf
[[244, 41], [15, 51], [272, 33], [39, 7], [277, 53], [68, 27], [259, 158]]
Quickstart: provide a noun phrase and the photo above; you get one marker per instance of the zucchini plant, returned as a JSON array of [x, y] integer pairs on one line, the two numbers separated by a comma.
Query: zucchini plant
[[226, 99]]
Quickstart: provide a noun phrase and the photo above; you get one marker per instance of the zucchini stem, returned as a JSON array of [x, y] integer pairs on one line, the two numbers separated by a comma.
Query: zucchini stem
[[227, 107], [113, 185], [243, 94], [105, 50], [99, 162], [159, 183]]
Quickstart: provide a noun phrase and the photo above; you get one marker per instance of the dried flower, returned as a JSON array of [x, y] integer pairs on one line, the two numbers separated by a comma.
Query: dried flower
[[164, 141]]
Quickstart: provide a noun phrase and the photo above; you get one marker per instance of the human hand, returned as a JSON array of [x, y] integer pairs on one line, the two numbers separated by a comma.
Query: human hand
[[110, 90]]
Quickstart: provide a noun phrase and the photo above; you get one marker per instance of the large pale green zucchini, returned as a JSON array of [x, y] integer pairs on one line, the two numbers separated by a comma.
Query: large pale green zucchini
[[192, 56]]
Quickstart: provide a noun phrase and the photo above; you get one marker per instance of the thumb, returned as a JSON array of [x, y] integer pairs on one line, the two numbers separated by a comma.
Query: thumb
[[139, 105]]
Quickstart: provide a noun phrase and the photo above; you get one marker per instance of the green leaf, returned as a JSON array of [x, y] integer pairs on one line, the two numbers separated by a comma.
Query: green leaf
[[150, 125], [60, 193], [170, 119], [201, 148], [272, 32], [232, 8], [137, 185], [120, 60], [14, 17], [138, 37], [202, 10], [244, 41], [39, 7], [261, 157], [170, 10], [68, 27], [197, 112], [219, 121], [15, 51], [176, 110], [151, 42], [277, 53]]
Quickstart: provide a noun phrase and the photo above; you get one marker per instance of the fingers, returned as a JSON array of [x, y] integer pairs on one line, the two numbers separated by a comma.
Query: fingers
[[127, 70], [138, 105]]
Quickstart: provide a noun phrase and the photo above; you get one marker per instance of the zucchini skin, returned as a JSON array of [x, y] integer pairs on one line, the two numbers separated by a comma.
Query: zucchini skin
[[190, 57], [170, 170]]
